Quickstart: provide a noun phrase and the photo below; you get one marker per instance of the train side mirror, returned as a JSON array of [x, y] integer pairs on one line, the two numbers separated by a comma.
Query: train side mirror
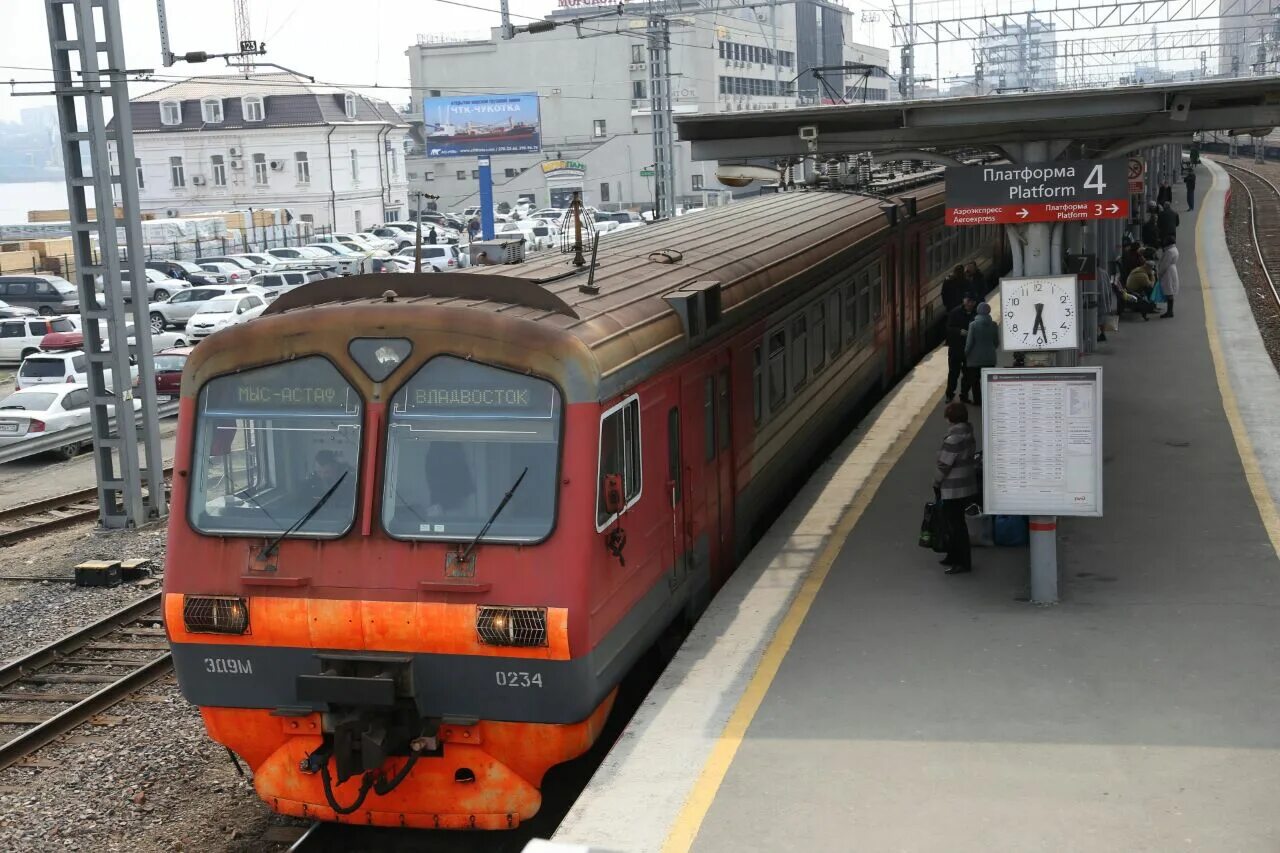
[[613, 495]]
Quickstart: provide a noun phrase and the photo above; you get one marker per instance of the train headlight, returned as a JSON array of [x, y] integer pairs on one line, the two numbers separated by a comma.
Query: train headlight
[[209, 614], [511, 626]]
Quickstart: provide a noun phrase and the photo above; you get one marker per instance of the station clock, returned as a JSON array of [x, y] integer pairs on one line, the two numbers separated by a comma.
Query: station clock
[[1039, 313]]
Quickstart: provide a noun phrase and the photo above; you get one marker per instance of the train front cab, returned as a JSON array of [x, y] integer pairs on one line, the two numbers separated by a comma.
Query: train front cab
[[373, 666]]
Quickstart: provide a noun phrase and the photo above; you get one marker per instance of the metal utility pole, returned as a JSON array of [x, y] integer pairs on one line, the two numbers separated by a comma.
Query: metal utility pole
[[240, 10], [664, 166], [78, 41], [504, 8]]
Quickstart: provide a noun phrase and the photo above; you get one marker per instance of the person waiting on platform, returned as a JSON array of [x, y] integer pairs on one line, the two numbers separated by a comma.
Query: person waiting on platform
[[980, 345], [1168, 221], [957, 325], [977, 284], [1190, 181], [1167, 275], [953, 289], [1141, 280], [955, 483], [1151, 228]]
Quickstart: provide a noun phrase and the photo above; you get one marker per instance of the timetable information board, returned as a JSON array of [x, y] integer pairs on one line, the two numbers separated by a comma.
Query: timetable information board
[[1042, 435]]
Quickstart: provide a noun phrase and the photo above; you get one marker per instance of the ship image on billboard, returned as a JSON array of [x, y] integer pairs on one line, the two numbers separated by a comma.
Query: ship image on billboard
[[467, 125]]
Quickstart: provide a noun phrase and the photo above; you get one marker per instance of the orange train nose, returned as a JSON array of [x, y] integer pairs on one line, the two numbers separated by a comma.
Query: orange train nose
[[466, 788]]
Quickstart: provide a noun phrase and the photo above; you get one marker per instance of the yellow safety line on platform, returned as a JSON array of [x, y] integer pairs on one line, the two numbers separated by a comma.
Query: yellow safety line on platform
[[688, 823], [1253, 473]]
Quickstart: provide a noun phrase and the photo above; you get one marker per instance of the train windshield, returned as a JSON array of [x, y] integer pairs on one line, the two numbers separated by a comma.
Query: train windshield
[[270, 444], [459, 436]]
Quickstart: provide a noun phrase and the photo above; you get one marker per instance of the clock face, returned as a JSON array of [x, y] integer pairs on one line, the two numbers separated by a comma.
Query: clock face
[[1039, 313]]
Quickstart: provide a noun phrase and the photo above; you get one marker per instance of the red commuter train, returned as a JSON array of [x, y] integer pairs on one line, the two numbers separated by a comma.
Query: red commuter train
[[423, 525]]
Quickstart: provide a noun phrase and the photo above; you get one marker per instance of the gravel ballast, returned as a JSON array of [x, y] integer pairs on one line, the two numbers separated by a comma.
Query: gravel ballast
[[144, 776]]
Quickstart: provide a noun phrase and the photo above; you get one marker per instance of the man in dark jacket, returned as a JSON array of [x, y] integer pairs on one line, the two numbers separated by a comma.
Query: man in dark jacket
[[1168, 221], [953, 289], [1151, 228], [1190, 181], [977, 284], [1164, 194], [957, 326]]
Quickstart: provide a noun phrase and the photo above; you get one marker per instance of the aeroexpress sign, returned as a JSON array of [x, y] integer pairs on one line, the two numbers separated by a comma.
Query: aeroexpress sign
[[1037, 192]]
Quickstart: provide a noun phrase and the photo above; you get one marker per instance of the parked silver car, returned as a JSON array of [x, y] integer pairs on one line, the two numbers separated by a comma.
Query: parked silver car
[[179, 308]]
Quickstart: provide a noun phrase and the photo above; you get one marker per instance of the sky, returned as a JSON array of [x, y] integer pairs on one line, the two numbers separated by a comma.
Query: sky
[[337, 41], [362, 44]]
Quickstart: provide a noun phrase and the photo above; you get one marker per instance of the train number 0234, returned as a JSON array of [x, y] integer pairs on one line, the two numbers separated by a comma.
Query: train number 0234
[[518, 679]]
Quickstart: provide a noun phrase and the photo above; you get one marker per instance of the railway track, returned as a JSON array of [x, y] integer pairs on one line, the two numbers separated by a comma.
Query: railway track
[[39, 517], [1264, 222], [52, 690]]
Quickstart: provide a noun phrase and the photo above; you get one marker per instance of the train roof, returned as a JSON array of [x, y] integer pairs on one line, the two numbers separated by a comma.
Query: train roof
[[748, 252]]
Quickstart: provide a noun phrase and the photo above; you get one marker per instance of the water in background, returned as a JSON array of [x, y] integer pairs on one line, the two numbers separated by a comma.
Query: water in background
[[17, 199]]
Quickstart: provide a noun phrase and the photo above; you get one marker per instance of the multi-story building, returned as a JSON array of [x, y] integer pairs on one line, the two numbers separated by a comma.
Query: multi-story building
[[595, 100], [1249, 43], [334, 157], [1019, 56]]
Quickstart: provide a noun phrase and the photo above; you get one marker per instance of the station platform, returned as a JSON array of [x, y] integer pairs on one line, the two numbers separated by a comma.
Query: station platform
[[842, 693]]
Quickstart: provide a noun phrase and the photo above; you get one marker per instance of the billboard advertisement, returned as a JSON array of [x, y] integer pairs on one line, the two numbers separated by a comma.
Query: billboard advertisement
[[468, 125]]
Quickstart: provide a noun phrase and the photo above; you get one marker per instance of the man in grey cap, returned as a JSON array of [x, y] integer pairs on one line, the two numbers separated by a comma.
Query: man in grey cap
[[980, 345]]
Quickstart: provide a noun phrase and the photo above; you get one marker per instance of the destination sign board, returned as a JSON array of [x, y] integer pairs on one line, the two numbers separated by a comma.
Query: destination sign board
[[1038, 192], [307, 386], [452, 388]]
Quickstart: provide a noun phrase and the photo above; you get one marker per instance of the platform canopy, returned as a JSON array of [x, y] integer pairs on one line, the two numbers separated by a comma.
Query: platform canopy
[[1105, 120]]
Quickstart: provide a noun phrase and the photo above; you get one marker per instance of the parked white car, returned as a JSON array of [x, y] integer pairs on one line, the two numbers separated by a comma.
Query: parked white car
[[286, 280], [350, 262], [234, 272], [445, 258], [158, 285], [224, 311], [32, 413], [388, 243], [51, 368], [257, 262], [239, 264], [178, 309], [21, 336]]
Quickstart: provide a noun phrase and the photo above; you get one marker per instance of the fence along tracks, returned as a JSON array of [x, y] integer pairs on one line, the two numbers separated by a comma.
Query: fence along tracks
[[1264, 220], [81, 675]]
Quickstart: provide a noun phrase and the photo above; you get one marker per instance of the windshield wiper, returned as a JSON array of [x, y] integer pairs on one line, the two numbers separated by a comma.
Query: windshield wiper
[[275, 543], [501, 504]]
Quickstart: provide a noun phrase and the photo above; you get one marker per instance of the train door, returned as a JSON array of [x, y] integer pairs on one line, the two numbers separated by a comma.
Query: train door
[[681, 524], [725, 474], [702, 479]]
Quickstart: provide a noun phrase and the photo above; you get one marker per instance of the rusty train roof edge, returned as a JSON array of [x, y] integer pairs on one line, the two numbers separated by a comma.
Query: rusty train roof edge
[[754, 250]]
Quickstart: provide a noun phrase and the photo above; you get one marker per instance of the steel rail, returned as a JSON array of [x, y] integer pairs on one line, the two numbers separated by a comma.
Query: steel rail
[[309, 838], [1253, 222], [44, 525], [113, 692], [78, 639]]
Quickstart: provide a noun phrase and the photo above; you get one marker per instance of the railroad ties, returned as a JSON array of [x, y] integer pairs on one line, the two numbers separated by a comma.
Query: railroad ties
[[1264, 205], [33, 519], [54, 689]]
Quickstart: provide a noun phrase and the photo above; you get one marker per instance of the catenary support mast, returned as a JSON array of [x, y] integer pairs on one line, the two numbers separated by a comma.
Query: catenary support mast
[[87, 50]]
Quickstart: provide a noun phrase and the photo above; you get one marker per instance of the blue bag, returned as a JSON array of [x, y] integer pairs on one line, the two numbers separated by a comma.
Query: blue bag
[[1011, 531], [1157, 294]]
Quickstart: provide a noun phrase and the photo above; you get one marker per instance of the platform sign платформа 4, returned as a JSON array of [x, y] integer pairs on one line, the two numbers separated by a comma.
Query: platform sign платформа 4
[[1005, 193]]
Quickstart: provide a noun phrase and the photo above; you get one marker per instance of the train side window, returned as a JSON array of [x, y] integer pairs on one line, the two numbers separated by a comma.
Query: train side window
[[877, 292], [673, 453], [777, 371], [819, 343], [800, 356], [851, 311], [833, 323], [725, 421], [709, 417], [619, 454], [864, 302], [757, 385]]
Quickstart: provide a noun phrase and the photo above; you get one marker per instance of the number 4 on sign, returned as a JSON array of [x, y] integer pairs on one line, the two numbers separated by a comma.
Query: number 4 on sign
[[1094, 181]]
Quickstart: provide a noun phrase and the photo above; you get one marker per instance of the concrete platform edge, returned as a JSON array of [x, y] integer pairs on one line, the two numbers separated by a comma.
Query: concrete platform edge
[[697, 695], [1246, 375]]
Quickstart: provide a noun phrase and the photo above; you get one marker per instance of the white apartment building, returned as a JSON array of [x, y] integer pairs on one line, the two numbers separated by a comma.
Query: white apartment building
[[594, 94], [333, 157]]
